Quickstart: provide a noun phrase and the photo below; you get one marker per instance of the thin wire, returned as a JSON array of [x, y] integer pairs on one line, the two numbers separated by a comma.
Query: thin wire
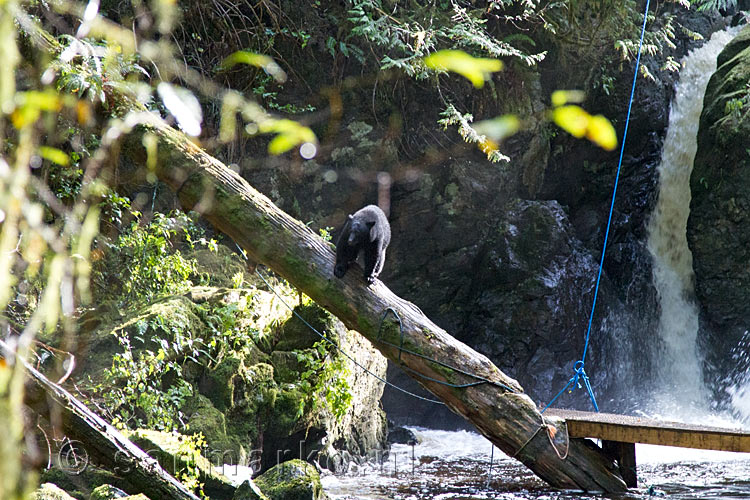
[[480, 380], [489, 473], [341, 350]]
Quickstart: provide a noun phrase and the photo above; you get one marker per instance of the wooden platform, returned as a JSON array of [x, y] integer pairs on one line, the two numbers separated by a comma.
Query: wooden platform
[[619, 433]]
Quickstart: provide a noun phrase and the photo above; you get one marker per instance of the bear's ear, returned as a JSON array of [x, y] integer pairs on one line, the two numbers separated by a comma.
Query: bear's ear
[[350, 216]]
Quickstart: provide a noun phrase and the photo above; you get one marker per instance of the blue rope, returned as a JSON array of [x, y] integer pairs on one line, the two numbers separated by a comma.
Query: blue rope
[[580, 372]]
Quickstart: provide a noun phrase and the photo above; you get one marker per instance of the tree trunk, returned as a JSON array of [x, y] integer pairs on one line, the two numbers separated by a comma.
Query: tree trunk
[[498, 408], [103, 444]]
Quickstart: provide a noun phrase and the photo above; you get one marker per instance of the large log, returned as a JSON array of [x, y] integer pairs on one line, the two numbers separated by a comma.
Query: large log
[[103, 444], [497, 408]]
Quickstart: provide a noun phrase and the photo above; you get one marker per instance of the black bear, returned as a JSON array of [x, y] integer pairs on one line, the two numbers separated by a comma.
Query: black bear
[[366, 231]]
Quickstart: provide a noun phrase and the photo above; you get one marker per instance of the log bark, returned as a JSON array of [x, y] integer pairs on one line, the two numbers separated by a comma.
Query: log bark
[[103, 444], [508, 418]]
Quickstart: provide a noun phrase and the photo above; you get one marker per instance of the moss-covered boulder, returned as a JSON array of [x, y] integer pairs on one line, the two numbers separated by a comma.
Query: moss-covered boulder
[[178, 455], [81, 484], [49, 491], [248, 490], [719, 224], [107, 492], [292, 480], [221, 266], [240, 369]]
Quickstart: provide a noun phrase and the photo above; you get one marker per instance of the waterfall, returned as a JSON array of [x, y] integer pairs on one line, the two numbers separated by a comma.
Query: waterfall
[[680, 372]]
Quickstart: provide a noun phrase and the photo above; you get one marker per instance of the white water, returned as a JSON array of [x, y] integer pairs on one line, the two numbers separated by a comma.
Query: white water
[[679, 386], [456, 465]]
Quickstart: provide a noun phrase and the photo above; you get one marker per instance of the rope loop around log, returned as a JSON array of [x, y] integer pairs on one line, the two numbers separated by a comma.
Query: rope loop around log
[[550, 435]]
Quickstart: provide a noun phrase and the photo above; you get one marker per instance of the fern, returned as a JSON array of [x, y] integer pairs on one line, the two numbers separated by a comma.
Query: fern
[[451, 116], [406, 36], [715, 5]]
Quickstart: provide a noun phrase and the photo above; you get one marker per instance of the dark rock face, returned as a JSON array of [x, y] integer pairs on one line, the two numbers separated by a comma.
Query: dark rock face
[[719, 224], [505, 256]]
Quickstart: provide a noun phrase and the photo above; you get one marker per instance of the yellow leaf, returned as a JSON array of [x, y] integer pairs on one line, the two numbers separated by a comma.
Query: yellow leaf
[[290, 134], [281, 144], [25, 115], [83, 112], [498, 128], [600, 131], [572, 119], [46, 101], [579, 123], [475, 69], [560, 97], [258, 60], [54, 155]]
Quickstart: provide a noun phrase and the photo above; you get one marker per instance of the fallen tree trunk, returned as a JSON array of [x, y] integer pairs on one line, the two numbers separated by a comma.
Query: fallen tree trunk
[[497, 408], [102, 443]]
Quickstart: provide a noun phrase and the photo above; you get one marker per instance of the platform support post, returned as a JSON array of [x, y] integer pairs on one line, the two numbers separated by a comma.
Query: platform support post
[[624, 454]]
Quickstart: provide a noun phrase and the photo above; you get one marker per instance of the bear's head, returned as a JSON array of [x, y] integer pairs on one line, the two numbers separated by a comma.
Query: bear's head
[[359, 232]]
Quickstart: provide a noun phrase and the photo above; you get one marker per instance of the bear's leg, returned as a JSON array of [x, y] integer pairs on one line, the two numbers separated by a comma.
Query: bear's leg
[[371, 256], [379, 263]]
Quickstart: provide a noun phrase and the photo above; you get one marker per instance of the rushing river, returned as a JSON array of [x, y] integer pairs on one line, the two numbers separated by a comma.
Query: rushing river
[[455, 465]]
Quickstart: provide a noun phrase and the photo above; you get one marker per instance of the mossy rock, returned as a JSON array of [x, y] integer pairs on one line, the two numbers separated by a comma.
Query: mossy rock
[[220, 265], [166, 447], [171, 314], [287, 366], [292, 480], [107, 492], [249, 491], [718, 229], [232, 383], [205, 419], [81, 485], [295, 334], [49, 491]]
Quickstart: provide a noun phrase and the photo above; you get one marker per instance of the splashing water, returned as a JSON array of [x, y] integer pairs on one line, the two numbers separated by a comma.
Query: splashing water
[[680, 375]]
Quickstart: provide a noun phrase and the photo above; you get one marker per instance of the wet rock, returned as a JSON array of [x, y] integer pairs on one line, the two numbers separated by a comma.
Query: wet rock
[[400, 435], [719, 223]]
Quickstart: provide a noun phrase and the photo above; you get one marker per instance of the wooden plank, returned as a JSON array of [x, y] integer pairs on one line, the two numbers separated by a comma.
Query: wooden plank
[[629, 429]]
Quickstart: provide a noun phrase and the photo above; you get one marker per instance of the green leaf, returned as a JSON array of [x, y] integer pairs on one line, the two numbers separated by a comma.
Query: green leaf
[[475, 69]]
